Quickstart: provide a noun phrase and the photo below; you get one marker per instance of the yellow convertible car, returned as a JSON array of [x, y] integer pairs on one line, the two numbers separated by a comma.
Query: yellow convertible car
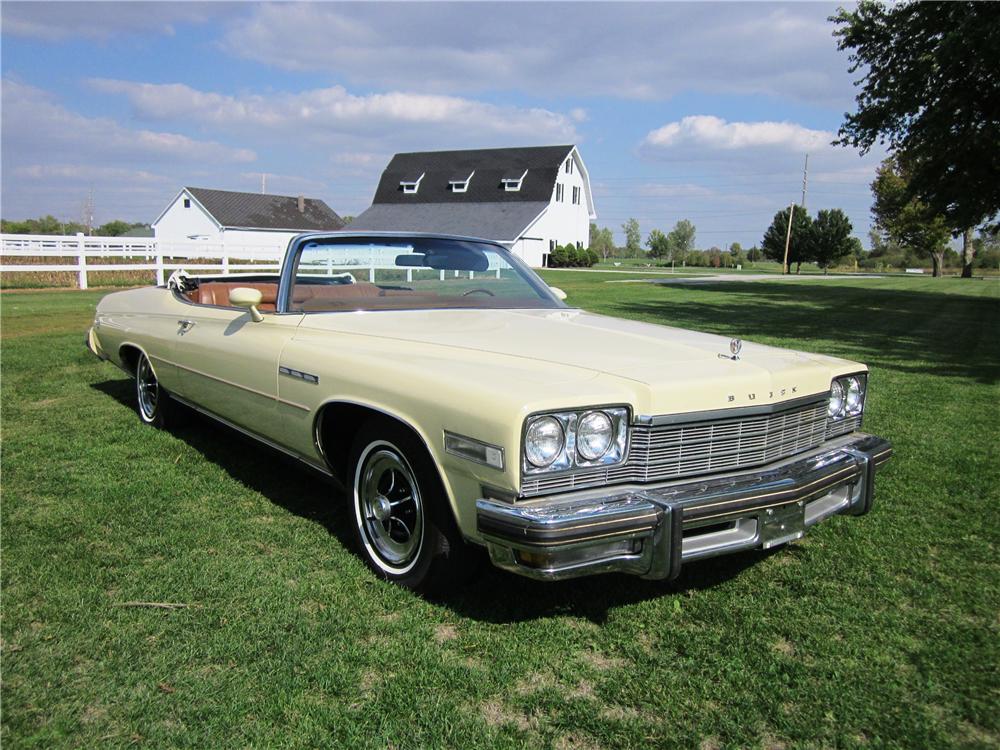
[[460, 402]]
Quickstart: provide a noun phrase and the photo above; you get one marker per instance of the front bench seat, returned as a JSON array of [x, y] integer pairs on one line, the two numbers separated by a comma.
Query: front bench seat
[[217, 293]]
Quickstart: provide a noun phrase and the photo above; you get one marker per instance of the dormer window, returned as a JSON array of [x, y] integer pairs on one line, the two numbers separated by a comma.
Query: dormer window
[[460, 186], [513, 184], [411, 186]]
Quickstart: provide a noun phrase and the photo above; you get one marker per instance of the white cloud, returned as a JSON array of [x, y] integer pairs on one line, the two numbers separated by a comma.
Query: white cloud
[[57, 21], [86, 173], [35, 125], [632, 50], [335, 109], [52, 158], [712, 132]]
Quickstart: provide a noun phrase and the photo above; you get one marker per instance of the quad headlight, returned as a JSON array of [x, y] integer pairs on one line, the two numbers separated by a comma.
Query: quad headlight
[[544, 440], [847, 396], [571, 439]]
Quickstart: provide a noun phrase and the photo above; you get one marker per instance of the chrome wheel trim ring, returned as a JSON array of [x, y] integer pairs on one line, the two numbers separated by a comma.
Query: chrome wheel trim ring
[[147, 389], [388, 508]]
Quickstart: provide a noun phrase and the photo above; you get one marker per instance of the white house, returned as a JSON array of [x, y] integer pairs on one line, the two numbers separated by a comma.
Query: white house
[[236, 220], [530, 199]]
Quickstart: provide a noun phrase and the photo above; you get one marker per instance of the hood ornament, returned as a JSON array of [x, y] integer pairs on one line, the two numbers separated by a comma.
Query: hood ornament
[[735, 347]]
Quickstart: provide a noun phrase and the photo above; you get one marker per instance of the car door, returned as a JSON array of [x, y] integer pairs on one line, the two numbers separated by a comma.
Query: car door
[[229, 364]]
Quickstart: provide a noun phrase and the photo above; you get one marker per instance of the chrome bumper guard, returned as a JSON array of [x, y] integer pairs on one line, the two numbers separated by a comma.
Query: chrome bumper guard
[[650, 530]]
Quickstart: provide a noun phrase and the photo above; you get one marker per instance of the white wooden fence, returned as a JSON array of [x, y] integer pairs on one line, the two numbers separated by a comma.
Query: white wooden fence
[[160, 258]]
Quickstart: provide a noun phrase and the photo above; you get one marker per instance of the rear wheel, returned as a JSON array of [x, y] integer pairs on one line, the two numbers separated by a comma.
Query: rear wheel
[[403, 526], [152, 401]]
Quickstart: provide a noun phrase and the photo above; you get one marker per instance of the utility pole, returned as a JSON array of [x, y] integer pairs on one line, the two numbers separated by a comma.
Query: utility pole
[[805, 182], [88, 212], [788, 237]]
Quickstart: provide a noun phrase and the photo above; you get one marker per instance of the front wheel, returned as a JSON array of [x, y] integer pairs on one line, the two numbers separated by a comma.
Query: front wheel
[[152, 401], [403, 526]]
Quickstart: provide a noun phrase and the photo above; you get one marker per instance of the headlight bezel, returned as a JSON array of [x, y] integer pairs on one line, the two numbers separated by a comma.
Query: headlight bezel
[[852, 382], [570, 458], [544, 420]]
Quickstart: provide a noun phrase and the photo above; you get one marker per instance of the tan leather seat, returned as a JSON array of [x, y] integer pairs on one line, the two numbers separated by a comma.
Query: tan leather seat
[[217, 293], [327, 296]]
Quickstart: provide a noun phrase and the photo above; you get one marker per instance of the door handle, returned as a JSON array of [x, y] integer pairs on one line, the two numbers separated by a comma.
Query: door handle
[[185, 326]]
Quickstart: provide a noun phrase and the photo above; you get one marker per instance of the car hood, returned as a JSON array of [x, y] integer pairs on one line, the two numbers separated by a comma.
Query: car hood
[[671, 369]]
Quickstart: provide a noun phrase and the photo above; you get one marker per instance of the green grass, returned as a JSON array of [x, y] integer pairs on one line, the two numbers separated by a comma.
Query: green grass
[[882, 631]]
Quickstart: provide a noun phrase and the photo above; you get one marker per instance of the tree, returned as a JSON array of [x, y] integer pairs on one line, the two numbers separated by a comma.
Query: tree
[[930, 89], [633, 238], [736, 253], [658, 244], [114, 228], [602, 241], [681, 238], [907, 220], [799, 246], [47, 224], [988, 248], [830, 237]]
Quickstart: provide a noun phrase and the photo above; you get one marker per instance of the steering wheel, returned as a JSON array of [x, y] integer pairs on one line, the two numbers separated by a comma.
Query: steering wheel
[[478, 290]]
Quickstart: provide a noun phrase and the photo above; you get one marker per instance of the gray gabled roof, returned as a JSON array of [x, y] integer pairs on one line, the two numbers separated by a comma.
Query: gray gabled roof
[[491, 165], [503, 222], [262, 211]]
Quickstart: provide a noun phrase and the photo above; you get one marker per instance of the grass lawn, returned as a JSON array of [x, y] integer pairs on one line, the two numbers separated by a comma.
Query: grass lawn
[[882, 631]]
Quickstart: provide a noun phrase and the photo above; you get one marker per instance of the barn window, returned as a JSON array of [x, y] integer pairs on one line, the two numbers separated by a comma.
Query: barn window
[[411, 186], [569, 165], [513, 184], [460, 186], [576, 196], [559, 192], [187, 203]]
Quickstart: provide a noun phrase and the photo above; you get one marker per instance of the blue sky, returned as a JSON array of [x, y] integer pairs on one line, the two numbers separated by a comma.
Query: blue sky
[[699, 111]]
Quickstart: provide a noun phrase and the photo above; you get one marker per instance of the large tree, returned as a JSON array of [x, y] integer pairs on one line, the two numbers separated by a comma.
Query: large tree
[[681, 239], [800, 245], [905, 219], [633, 238], [657, 244], [930, 88], [830, 237], [602, 241]]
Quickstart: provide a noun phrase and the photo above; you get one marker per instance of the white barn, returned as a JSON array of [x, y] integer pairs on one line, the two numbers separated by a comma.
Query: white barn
[[240, 220], [530, 199]]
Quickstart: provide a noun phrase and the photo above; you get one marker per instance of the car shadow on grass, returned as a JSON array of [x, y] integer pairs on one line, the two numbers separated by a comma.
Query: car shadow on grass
[[493, 596]]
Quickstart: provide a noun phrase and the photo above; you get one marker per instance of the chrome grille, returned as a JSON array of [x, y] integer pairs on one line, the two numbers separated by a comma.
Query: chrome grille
[[664, 452]]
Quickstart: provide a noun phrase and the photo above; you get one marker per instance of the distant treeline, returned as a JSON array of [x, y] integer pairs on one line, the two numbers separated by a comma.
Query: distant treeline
[[51, 225]]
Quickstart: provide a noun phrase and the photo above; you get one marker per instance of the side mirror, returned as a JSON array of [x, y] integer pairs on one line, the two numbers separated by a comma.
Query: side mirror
[[558, 292], [249, 298]]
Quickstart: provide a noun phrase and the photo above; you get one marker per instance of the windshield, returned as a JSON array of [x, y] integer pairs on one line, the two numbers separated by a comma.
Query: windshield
[[351, 273]]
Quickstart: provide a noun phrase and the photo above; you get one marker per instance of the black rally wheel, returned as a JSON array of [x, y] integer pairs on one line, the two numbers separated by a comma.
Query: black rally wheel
[[403, 527]]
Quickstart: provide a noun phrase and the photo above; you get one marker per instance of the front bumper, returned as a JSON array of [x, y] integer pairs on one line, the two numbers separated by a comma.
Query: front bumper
[[650, 530]]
